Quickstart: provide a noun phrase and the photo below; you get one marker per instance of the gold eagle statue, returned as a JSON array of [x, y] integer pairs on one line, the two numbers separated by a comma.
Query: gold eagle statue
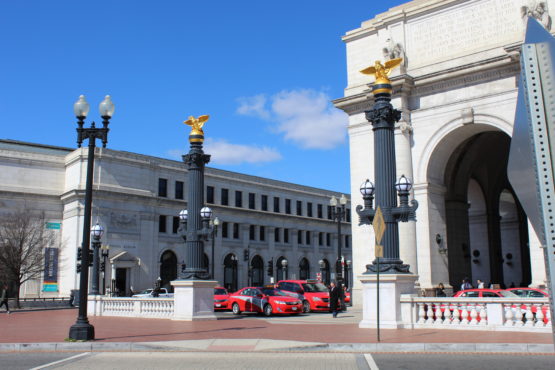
[[196, 124], [382, 71]]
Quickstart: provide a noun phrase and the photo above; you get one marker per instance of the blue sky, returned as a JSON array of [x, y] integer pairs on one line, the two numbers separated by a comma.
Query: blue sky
[[264, 71]]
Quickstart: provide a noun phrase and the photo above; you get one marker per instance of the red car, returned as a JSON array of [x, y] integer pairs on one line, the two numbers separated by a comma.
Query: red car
[[528, 292], [314, 295], [266, 301], [221, 297]]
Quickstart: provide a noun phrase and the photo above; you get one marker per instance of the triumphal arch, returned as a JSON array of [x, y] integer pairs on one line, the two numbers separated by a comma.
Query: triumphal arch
[[457, 90]]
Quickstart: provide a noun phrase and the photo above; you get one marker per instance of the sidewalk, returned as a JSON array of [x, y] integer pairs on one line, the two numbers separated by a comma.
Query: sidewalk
[[250, 333]]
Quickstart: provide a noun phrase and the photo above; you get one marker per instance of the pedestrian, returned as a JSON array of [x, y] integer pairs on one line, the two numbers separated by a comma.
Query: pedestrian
[[4, 298], [479, 284], [335, 298], [466, 284], [440, 292]]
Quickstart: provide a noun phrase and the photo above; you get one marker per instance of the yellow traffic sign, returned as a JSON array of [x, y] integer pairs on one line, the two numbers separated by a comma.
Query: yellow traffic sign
[[378, 251], [379, 225]]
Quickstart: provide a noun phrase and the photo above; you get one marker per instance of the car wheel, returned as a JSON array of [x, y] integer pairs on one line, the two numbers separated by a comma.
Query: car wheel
[[235, 308], [306, 306], [267, 310]]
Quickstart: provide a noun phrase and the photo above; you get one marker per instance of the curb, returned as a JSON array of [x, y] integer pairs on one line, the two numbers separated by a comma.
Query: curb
[[541, 348]]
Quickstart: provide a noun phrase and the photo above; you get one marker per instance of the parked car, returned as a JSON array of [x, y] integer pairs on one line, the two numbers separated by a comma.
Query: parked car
[[221, 299], [484, 293], [528, 292], [315, 295], [150, 293], [266, 301]]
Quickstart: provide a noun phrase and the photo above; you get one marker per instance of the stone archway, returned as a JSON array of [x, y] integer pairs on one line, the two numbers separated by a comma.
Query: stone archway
[[257, 271], [230, 272], [168, 269], [304, 269], [475, 176]]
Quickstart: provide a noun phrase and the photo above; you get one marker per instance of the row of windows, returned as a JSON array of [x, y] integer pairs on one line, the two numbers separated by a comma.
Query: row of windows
[[163, 188], [224, 201], [258, 233]]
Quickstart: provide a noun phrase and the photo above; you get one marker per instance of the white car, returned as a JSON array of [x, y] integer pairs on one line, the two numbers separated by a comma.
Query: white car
[[148, 293]]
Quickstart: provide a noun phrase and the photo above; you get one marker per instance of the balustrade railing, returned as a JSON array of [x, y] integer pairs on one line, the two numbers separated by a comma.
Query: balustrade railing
[[523, 314], [131, 307]]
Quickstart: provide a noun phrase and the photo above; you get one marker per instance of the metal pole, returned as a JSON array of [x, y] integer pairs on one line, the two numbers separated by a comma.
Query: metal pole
[[95, 290], [82, 329], [104, 275], [338, 266], [212, 258], [378, 297]]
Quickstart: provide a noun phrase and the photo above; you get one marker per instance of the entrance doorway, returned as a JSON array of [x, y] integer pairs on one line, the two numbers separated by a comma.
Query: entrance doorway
[[168, 269], [257, 271], [230, 272], [121, 282]]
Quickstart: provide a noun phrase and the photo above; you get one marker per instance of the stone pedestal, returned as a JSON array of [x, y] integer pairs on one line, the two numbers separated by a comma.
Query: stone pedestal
[[194, 299], [391, 288]]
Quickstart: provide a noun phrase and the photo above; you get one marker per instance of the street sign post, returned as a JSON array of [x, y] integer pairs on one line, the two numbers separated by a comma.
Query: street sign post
[[379, 229]]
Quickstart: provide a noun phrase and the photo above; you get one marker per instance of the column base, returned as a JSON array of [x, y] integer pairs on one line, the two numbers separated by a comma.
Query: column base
[[391, 287], [194, 300], [81, 331]]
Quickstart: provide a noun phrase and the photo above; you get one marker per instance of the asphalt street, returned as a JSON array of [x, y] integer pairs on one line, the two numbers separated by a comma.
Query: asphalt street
[[283, 360]]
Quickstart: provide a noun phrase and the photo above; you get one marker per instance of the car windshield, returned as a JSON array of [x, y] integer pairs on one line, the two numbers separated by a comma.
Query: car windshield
[[507, 294], [220, 292], [273, 292], [315, 288]]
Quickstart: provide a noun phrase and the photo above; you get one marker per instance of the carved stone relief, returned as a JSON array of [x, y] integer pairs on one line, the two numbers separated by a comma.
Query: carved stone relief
[[537, 10]]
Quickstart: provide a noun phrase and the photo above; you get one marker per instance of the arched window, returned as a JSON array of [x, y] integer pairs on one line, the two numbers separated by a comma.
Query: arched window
[[257, 271], [304, 269], [230, 272], [168, 269]]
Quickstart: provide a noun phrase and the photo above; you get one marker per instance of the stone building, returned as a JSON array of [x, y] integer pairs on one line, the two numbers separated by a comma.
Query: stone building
[[457, 91], [137, 199]]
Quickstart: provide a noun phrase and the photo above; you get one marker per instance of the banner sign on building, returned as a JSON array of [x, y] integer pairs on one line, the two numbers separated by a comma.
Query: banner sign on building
[[50, 283]]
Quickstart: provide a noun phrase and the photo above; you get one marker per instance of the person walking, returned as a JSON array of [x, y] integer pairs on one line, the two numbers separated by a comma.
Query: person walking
[[480, 284], [4, 297], [440, 290], [335, 299]]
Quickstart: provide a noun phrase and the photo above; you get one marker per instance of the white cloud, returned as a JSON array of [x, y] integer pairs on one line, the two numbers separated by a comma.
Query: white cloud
[[226, 153], [303, 116], [253, 106]]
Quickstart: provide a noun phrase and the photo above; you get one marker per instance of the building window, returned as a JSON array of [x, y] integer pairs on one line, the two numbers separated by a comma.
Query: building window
[[262, 233], [320, 211], [348, 214], [276, 234], [288, 206], [264, 201], [299, 208], [309, 209], [252, 232], [175, 224], [162, 224], [162, 187], [276, 204], [320, 238], [179, 190], [225, 227], [286, 235], [252, 202], [329, 213], [225, 197], [238, 198], [210, 194], [235, 231], [328, 239], [299, 237], [308, 238], [347, 245]]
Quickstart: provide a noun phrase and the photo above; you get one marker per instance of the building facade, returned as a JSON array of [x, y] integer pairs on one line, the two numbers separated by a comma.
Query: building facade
[[137, 199], [457, 89]]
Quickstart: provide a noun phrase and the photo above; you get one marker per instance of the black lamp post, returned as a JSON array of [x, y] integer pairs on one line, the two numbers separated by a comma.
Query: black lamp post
[[195, 228], [82, 329], [383, 117], [96, 232], [214, 225], [322, 265], [284, 265], [338, 214], [105, 253]]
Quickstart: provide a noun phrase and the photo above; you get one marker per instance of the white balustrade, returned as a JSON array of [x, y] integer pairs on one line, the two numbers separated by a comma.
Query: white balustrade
[[509, 314], [132, 307]]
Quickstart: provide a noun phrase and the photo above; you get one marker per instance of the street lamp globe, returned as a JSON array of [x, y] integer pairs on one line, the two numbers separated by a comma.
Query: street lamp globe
[[333, 201], [284, 262], [321, 263], [106, 107], [81, 107], [105, 250], [206, 212], [343, 200], [97, 231], [403, 184], [367, 188], [183, 215], [216, 221]]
